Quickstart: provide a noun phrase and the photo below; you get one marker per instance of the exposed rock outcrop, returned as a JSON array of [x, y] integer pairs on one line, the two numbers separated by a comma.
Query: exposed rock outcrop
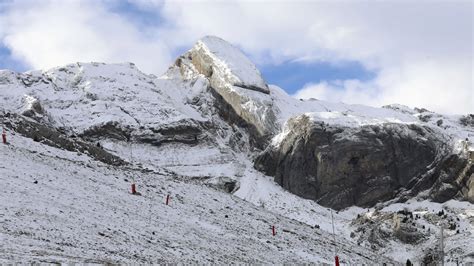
[[187, 132], [226, 65], [110, 129], [241, 93], [52, 137], [32, 108], [454, 180], [341, 166]]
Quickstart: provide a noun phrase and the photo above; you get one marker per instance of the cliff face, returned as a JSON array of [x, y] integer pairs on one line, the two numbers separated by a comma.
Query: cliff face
[[340, 166]]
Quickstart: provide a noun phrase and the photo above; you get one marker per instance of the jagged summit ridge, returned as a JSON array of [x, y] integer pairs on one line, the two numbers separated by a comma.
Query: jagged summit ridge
[[242, 94], [229, 64]]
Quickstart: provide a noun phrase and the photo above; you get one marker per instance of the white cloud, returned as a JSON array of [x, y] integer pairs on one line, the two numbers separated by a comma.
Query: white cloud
[[447, 89], [45, 34], [348, 91], [421, 51]]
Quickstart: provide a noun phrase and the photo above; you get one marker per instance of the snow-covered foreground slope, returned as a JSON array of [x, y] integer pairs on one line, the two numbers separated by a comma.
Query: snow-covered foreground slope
[[59, 206]]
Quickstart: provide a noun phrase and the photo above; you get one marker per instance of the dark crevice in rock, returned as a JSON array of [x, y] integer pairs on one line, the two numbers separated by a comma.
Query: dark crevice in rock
[[253, 88], [128, 113]]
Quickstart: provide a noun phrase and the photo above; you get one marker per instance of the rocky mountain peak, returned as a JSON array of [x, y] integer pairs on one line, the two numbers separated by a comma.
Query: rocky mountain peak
[[227, 64], [242, 95]]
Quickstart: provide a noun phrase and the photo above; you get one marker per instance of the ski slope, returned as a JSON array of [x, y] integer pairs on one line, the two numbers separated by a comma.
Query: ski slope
[[59, 206]]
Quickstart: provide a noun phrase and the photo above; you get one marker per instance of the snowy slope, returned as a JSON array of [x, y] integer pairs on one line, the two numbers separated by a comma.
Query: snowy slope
[[59, 206], [80, 96], [263, 192]]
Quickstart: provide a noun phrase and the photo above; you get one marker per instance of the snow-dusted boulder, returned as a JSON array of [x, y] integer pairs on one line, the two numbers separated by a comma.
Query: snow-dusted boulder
[[32, 107]]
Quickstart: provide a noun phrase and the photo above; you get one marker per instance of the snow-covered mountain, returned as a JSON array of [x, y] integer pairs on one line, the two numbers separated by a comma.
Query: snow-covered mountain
[[231, 151]]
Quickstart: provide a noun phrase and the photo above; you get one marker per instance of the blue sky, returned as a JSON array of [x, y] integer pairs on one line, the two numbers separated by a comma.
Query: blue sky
[[294, 75], [7, 61], [140, 16], [414, 53]]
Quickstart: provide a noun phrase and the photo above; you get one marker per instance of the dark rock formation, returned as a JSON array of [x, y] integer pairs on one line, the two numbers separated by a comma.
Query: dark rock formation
[[340, 166], [110, 129], [185, 131], [223, 183], [408, 234], [52, 137], [467, 120], [228, 114], [454, 179], [35, 111]]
